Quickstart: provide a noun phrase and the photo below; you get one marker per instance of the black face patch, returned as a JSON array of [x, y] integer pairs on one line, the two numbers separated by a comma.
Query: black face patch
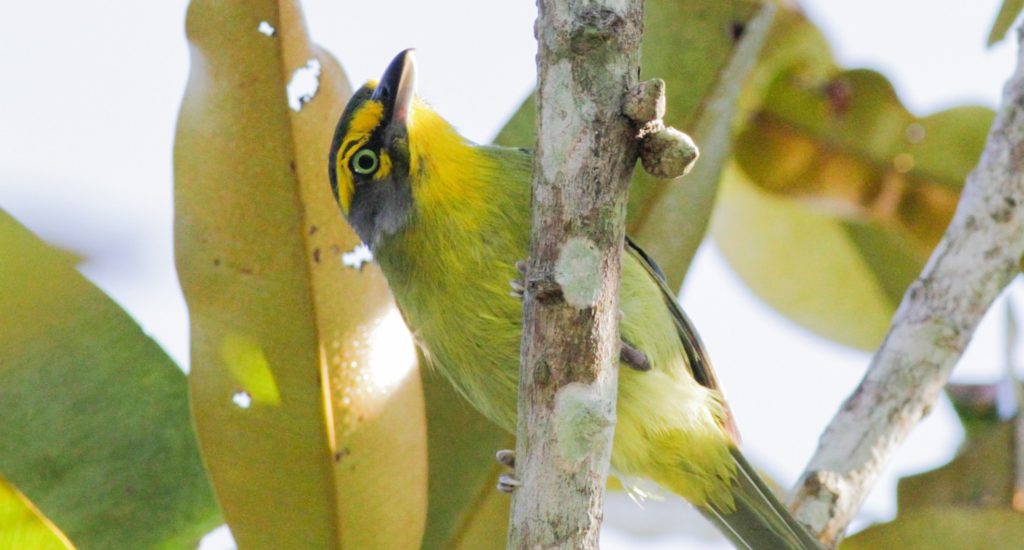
[[380, 209], [381, 203], [340, 131]]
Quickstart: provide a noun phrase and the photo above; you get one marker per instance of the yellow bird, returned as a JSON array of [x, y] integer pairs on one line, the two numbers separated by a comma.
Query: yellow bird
[[447, 220]]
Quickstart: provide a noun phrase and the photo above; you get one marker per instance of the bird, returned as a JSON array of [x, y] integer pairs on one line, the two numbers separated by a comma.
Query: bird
[[447, 221]]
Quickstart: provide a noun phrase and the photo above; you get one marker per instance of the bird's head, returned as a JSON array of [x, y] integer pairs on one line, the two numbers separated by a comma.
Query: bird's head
[[379, 144]]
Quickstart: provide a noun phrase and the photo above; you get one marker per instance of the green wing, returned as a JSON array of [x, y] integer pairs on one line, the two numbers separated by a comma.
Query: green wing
[[696, 355]]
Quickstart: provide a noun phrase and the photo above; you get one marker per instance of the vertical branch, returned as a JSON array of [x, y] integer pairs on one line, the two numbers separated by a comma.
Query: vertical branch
[[978, 256], [588, 59]]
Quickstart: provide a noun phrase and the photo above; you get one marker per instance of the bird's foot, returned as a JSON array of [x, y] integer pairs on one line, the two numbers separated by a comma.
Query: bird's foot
[[507, 483]]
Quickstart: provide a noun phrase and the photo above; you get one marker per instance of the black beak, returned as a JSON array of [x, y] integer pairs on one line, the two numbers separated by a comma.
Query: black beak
[[396, 87]]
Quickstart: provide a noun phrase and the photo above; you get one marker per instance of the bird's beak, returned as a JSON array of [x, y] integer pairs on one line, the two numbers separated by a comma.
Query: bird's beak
[[395, 88]]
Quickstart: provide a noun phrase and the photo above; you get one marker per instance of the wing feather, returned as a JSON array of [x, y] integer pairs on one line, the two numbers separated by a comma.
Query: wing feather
[[696, 355]]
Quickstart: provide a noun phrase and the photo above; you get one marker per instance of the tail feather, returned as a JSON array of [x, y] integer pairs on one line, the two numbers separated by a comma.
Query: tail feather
[[758, 521]]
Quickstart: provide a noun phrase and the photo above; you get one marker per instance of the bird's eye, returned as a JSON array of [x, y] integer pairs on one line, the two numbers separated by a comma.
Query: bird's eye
[[364, 162]]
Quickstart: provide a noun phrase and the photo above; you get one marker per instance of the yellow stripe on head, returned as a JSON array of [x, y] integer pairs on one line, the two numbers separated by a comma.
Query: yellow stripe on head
[[366, 119], [385, 166], [361, 126]]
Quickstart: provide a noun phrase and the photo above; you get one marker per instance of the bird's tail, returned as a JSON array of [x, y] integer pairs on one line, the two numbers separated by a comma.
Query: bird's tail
[[758, 521]]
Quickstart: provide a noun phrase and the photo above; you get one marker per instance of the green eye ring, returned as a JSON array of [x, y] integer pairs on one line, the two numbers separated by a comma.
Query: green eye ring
[[365, 162]]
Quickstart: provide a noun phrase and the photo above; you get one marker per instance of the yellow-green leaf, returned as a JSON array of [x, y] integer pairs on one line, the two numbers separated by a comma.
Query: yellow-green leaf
[[304, 387], [847, 145], [703, 50], [94, 422], [1008, 13], [23, 526], [842, 193]]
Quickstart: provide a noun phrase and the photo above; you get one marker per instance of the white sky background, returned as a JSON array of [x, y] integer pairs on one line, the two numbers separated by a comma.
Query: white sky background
[[87, 114]]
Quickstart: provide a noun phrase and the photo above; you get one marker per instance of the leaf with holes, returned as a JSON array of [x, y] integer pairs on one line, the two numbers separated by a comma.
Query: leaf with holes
[[304, 388]]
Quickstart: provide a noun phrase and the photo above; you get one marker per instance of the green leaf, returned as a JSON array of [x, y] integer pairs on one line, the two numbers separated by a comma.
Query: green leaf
[[94, 421], [982, 474], [22, 526], [975, 406], [1008, 13], [842, 193], [305, 393], [964, 504], [948, 528], [703, 50], [466, 510], [824, 285]]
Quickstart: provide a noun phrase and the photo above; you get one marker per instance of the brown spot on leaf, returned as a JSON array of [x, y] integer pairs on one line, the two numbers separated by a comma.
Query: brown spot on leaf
[[736, 30], [839, 93]]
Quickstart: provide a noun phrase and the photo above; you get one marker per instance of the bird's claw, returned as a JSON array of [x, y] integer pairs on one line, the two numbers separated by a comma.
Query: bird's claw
[[519, 283], [518, 289], [506, 457], [507, 483]]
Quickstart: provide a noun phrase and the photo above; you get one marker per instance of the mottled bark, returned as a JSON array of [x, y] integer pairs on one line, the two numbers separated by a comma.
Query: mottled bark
[[978, 256], [588, 60]]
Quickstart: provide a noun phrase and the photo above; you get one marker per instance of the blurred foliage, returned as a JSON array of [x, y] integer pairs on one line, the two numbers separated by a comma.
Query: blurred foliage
[[22, 526], [964, 504], [1008, 13], [466, 511], [975, 406], [839, 193], [948, 528], [94, 422]]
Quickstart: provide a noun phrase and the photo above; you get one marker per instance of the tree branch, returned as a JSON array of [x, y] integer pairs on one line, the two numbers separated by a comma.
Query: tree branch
[[978, 256], [586, 149]]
